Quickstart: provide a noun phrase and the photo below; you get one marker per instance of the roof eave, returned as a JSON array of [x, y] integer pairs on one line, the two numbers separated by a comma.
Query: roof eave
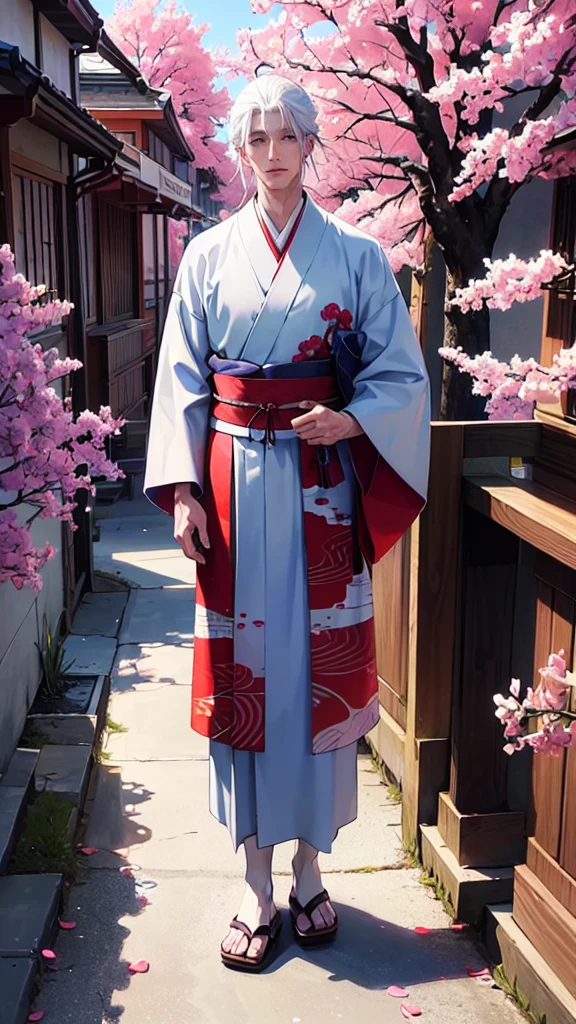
[[33, 96]]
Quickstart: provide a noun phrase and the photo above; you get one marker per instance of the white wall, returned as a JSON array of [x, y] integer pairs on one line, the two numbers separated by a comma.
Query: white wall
[[33, 142], [55, 55], [21, 613], [17, 26]]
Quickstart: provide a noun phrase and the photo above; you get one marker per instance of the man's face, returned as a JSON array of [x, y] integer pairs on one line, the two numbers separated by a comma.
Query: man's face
[[273, 152]]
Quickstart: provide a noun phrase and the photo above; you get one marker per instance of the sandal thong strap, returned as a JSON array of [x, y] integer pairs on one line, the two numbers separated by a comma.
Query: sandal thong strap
[[316, 901], [241, 927], [264, 930]]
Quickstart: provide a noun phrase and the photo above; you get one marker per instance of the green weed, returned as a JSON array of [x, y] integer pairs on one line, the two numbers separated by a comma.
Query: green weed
[[33, 739], [112, 726], [44, 846], [511, 989]]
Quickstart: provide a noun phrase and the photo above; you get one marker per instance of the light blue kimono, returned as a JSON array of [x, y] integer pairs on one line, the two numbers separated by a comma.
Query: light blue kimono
[[228, 299]]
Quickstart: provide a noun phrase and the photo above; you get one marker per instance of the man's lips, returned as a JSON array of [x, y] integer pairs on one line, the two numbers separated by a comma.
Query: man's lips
[[276, 170]]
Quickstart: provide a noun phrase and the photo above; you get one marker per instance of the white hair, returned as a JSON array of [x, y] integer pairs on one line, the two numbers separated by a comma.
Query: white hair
[[266, 94]]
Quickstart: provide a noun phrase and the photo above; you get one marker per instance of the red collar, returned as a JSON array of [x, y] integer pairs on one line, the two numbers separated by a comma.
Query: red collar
[[279, 255]]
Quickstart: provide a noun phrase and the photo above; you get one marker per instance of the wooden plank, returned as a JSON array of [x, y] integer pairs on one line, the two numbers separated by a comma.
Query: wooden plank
[[556, 880], [6, 198], [554, 630], [548, 999], [555, 462], [493, 438], [37, 170], [547, 924], [391, 702], [482, 840], [568, 828], [537, 515], [478, 782], [435, 580], [558, 576], [390, 587]]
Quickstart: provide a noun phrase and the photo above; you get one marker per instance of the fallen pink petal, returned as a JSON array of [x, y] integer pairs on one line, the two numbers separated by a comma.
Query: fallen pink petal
[[397, 992], [144, 901], [88, 850], [127, 871], [408, 1011], [485, 972], [422, 930], [37, 1015], [67, 925], [458, 927], [48, 954], [140, 967]]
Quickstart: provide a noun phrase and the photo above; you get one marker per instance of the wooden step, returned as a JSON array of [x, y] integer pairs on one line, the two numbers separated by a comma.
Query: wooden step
[[470, 889], [29, 906], [16, 788], [17, 985], [523, 965], [548, 925]]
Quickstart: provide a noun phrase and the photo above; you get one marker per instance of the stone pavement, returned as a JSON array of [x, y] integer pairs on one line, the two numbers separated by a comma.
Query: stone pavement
[[149, 810]]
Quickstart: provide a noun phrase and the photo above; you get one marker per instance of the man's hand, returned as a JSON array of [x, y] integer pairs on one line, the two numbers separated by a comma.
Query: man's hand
[[189, 516], [325, 426]]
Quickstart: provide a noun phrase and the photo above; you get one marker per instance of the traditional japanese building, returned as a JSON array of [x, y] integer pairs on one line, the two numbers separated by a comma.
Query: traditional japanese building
[[45, 139], [136, 215]]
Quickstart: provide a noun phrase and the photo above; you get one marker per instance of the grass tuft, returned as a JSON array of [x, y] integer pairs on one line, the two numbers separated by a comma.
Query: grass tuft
[[112, 726], [33, 739], [511, 989], [44, 845]]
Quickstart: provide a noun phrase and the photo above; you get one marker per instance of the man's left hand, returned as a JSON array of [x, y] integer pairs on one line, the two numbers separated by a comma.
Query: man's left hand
[[322, 425]]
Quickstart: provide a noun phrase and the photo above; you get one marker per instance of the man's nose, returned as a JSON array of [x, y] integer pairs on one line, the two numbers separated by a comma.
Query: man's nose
[[274, 150]]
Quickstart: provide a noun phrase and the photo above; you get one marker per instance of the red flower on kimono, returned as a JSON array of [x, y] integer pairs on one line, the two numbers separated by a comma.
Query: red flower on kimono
[[313, 348], [343, 317], [330, 312], [321, 348]]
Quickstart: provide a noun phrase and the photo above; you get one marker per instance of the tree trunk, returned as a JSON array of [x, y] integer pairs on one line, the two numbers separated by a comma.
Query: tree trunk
[[470, 331]]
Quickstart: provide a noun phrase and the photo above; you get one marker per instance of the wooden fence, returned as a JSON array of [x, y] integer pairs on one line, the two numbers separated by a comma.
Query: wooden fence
[[481, 590]]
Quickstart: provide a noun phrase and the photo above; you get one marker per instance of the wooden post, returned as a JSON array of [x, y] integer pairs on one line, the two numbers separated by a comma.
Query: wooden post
[[6, 208], [434, 552], [478, 782]]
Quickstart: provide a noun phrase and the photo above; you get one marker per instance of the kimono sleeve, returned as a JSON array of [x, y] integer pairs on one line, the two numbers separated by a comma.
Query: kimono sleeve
[[391, 399], [180, 407]]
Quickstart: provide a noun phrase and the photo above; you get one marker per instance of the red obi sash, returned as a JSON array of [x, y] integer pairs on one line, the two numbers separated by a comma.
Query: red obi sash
[[228, 699]]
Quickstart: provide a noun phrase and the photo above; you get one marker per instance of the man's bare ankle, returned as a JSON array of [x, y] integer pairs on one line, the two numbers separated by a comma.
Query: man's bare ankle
[[260, 885]]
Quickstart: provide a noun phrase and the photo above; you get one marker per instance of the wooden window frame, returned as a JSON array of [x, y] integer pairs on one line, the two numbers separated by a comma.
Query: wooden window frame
[[53, 223]]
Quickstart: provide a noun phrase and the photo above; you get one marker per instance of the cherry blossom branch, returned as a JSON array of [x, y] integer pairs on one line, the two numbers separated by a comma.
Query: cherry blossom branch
[[49, 450], [547, 702]]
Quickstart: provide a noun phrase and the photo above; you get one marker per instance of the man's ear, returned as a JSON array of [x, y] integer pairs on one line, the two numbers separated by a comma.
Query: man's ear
[[243, 156], [309, 144]]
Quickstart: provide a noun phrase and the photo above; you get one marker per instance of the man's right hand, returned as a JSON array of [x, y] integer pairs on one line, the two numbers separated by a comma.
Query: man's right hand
[[189, 516]]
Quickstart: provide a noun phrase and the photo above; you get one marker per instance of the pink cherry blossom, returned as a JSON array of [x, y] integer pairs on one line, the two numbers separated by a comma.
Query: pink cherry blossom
[[513, 388], [510, 280], [409, 93], [548, 703], [46, 455], [166, 43]]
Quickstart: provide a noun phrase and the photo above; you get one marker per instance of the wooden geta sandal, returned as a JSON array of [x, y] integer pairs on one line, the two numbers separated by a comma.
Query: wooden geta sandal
[[314, 936], [253, 965]]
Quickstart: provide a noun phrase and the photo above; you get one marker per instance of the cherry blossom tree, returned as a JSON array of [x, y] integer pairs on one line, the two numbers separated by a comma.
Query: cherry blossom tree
[[45, 454], [419, 104], [165, 42]]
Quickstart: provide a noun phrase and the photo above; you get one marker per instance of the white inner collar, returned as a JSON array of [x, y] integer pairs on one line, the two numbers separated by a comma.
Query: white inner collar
[[281, 237]]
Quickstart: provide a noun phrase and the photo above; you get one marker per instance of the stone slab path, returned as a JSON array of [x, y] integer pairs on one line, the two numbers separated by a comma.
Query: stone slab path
[[149, 810]]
